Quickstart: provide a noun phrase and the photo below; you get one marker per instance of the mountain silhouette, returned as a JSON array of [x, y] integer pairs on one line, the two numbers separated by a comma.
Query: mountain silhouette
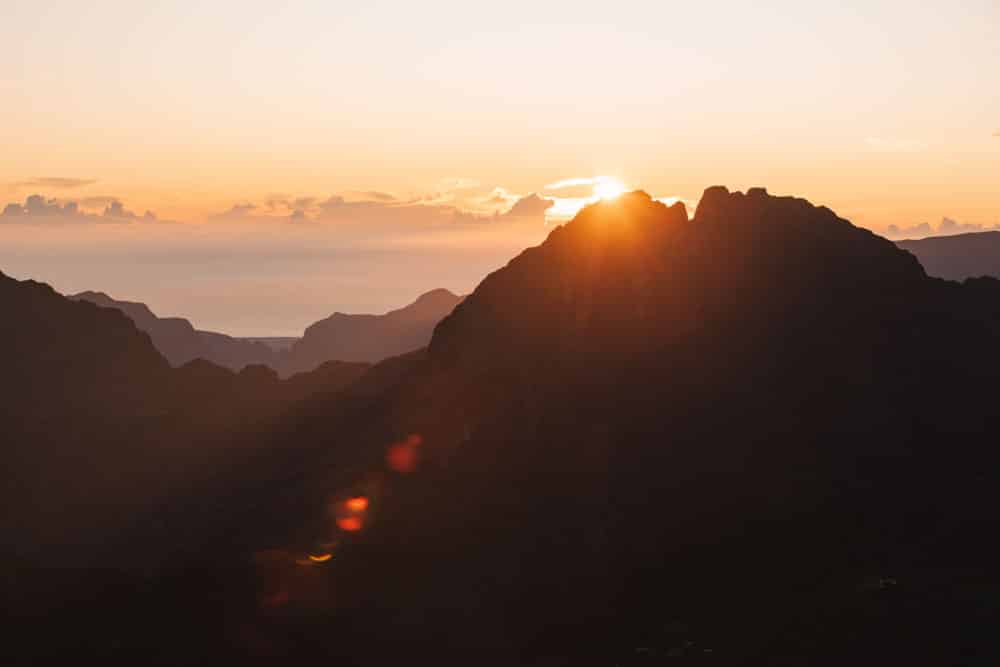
[[652, 436], [340, 337], [958, 257], [369, 338], [757, 436], [95, 419], [178, 340]]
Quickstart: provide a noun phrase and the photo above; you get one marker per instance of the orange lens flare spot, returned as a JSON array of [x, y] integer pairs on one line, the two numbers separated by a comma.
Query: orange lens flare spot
[[403, 456], [357, 504], [320, 558], [350, 524]]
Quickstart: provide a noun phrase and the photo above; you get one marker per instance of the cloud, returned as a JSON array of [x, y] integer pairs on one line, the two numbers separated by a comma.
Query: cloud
[[116, 209], [97, 201], [947, 227], [380, 213], [895, 145], [580, 188], [371, 213], [570, 182], [996, 133], [243, 211], [56, 182], [38, 208], [531, 206], [375, 195], [285, 203]]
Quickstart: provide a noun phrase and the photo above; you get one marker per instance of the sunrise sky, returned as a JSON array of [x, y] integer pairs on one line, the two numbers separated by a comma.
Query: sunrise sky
[[305, 157]]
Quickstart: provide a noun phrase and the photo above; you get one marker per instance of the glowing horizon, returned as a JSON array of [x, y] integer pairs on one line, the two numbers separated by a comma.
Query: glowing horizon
[[384, 142]]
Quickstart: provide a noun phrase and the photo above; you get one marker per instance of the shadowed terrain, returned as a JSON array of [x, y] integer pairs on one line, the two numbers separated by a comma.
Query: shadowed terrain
[[758, 436]]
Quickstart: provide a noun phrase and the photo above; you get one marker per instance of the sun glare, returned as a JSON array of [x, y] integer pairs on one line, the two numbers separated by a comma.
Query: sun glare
[[608, 189]]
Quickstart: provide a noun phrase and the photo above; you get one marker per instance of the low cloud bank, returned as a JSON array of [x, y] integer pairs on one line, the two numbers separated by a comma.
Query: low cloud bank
[[947, 227]]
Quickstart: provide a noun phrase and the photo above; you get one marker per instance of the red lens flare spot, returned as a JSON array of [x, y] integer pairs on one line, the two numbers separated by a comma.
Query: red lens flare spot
[[350, 524], [356, 504], [403, 456]]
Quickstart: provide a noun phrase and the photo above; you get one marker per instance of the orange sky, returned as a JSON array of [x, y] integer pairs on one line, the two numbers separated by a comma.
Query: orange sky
[[888, 112]]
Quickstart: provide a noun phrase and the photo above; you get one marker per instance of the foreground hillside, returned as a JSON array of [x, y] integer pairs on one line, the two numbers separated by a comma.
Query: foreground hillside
[[759, 436]]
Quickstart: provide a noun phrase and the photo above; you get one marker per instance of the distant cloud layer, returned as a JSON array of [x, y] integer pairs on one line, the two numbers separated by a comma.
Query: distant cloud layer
[[56, 182], [947, 227], [458, 202], [38, 208]]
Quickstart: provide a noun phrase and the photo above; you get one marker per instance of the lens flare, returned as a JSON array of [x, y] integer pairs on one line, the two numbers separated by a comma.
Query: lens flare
[[320, 558], [349, 524], [403, 456], [356, 504]]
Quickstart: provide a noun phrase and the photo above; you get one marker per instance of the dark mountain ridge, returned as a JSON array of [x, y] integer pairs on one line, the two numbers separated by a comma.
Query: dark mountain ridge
[[649, 420]]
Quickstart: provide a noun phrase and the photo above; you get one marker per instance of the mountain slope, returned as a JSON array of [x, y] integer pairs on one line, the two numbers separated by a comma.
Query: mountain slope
[[370, 338], [729, 423], [180, 342], [759, 436], [958, 257], [96, 420], [340, 337]]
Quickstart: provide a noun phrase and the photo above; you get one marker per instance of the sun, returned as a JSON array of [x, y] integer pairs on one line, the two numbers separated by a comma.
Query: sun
[[608, 188]]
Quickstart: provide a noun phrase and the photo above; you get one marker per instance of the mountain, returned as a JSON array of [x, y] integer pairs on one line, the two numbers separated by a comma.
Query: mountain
[[99, 429], [276, 343], [180, 342], [758, 436], [370, 338], [958, 257], [340, 337]]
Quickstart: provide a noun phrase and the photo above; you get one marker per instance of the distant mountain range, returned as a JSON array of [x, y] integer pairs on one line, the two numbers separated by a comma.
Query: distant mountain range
[[340, 337], [757, 436], [370, 338], [958, 257], [178, 340]]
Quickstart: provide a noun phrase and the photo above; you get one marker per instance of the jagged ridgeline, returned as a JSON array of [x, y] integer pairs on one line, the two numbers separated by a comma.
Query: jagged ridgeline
[[759, 435]]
